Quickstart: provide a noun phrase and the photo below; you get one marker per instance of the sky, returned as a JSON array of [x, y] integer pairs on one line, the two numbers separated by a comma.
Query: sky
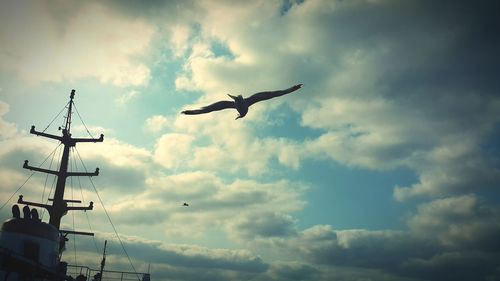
[[385, 165]]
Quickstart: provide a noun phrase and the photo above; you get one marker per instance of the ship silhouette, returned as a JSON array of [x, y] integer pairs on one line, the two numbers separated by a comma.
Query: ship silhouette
[[31, 249]]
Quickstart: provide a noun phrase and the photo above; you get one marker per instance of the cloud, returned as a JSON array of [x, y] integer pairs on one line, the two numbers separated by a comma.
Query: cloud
[[447, 239], [7, 129], [187, 256], [156, 123], [126, 98], [117, 153], [181, 257], [179, 39], [459, 222], [387, 91], [264, 225], [383, 88], [460, 166], [73, 41], [172, 149], [292, 271], [230, 146], [242, 210]]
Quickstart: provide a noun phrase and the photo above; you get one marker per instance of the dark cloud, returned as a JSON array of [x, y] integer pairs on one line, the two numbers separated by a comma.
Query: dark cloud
[[459, 223], [450, 266], [404, 81], [448, 239], [292, 271], [264, 225], [188, 256]]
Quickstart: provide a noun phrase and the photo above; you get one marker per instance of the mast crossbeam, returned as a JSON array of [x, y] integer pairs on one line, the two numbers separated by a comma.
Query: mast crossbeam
[[35, 132], [40, 205], [31, 168]]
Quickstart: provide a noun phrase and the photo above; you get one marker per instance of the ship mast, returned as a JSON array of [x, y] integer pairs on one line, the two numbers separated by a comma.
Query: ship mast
[[59, 205]]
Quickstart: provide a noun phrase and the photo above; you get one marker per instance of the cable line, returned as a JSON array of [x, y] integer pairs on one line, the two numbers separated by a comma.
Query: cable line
[[47, 176], [32, 173], [66, 106], [81, 119], [53, 181], [109, 218], [84, 202], [73, 213]]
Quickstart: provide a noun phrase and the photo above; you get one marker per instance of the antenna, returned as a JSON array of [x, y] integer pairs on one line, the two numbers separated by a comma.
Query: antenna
[[103, 262]]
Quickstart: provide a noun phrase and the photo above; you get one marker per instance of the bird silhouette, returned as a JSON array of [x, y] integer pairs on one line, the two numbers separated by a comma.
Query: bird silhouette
[[241, 104], [185, 204]]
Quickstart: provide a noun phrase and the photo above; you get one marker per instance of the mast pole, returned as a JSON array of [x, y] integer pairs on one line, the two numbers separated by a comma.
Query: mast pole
[[59, 205]]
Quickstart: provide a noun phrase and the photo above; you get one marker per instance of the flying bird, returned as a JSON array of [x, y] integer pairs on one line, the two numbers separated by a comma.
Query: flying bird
[[185, 204], [241, 104]]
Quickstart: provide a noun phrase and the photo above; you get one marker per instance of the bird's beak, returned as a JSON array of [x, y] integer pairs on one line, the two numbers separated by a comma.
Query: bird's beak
[[238, 117], [231, 96]]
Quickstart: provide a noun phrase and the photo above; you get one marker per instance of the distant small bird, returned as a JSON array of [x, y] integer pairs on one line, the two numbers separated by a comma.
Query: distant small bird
[[241, 104], [185, 204]]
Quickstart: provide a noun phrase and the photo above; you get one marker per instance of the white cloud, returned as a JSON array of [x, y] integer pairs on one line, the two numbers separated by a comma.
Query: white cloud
[[156, 123], [90, 41], [179, 39], [171, 150], [117, 153], [7, 129], [126, 98]]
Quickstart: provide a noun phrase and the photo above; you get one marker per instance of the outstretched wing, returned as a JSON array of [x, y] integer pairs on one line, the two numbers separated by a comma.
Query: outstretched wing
[[269, 95], [209, 108]]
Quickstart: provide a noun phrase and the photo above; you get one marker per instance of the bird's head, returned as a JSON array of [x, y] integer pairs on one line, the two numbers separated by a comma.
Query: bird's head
[[236, 98], [240, 116]]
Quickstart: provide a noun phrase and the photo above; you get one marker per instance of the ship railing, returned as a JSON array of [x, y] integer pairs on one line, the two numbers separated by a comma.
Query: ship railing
[[107, 275]]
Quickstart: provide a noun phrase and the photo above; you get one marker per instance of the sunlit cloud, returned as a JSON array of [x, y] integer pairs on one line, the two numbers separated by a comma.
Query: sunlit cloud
[[156, 123], [92, 42]]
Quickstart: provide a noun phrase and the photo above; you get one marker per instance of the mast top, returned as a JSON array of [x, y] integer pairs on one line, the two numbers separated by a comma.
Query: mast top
[[72, 94]]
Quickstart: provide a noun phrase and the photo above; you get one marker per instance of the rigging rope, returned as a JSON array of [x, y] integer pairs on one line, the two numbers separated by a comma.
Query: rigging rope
[[53, 181], [67, 117], [81, 119], [32, 173], [66, 106], [109, 218], [47, 176], [73, 213], [79, 182], [84, 203]]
